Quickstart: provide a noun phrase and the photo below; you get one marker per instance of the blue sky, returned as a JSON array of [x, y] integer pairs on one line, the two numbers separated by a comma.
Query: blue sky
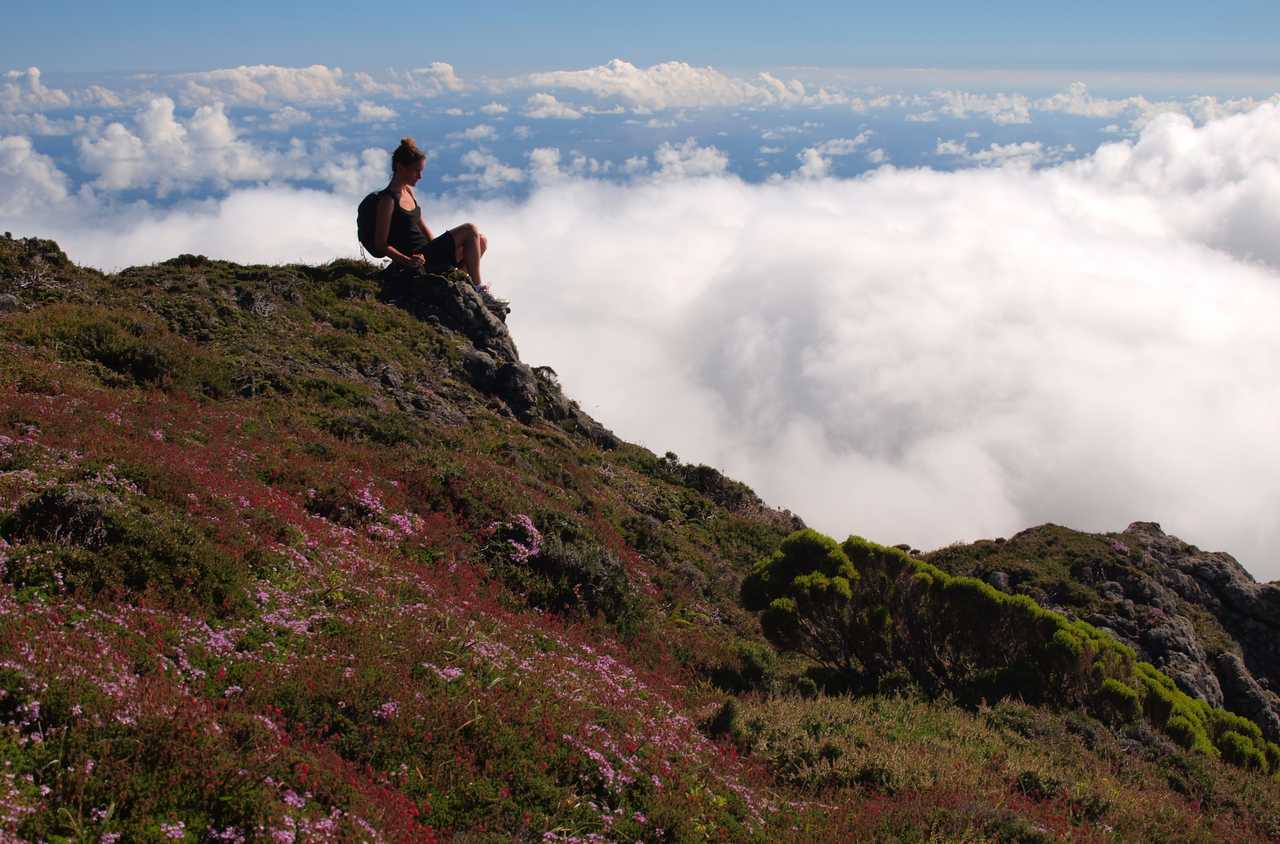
[[924, 277], [508, 37]]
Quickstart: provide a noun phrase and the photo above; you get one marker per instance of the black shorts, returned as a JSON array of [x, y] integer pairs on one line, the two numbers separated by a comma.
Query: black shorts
[[440, 253]]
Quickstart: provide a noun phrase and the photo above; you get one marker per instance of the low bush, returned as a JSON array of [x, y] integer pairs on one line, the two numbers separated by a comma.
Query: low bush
[[136, 348], [871, 612], [80, 538], [559, 568]]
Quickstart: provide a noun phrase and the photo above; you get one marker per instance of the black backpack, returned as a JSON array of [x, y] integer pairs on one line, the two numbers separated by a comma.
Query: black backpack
[[366, 216]]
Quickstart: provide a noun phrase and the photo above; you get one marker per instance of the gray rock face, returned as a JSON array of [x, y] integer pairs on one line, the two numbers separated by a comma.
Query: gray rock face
[[490, 361], [1176, 602]]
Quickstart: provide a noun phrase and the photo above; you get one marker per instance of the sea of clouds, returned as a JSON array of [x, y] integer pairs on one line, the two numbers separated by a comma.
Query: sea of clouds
[[911, 355]]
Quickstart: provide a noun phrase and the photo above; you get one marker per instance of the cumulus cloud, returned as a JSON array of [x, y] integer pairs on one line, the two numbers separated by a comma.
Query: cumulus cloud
[[912, 355], [676, 85], [815, 161], [170, 154], [1077, 100], [23, 91], [29, 180], [688, 160], [355, 176], [1022, 154], [262, 85], [288, 117], [486, 171], [368, 112], [39, 123], [480, 132], [435, 80], [494, 108], [543, 106], [1003, 109], [546, 165]]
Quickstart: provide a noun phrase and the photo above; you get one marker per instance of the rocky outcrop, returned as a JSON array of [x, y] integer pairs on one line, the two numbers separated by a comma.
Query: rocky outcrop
[[1197, 616], [1185, 580], [491, 361]]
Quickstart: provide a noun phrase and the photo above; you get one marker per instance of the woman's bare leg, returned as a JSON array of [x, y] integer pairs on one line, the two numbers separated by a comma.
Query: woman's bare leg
[[469, 245]]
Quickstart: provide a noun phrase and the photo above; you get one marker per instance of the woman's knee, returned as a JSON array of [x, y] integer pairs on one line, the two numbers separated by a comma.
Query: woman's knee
[[466, 232], [484, 243]]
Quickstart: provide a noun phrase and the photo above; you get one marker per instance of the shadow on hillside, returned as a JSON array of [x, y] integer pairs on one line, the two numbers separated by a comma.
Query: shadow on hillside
[[492, 363]]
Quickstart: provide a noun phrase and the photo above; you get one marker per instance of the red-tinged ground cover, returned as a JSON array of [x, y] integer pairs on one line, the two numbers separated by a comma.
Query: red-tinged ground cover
[[373, 676], [275, 570]]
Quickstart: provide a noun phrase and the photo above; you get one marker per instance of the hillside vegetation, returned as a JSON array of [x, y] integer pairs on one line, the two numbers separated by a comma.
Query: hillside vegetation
[[293, 553]]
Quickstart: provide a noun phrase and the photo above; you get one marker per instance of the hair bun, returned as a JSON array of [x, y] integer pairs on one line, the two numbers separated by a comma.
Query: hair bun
[[407, 142]]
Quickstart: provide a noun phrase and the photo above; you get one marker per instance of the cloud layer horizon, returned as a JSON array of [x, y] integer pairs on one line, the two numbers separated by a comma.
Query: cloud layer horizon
[[911, 355]]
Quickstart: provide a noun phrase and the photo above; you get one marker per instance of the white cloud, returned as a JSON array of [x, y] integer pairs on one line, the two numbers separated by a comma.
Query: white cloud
[[169, 154], [812, 164], [676, 85], [494, 108], [29, 181], [288, 117], [480, 132], [1077, 100], [486, 171], [455, 112], [877, 156], [262, 85], [434, 80], [521, 132], [368, 112], [438, 78], [354, 176], [1022, 154], [815, 161], [843, 146], [542, 106], [688, 160], [960, 354], [1003, 109], [546, 166], [23, 91], [96, 95], [41, 124]]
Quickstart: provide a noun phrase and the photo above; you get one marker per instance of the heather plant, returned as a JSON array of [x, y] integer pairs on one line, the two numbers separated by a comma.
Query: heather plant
[[559, 568], [129, 347], [82, 537]]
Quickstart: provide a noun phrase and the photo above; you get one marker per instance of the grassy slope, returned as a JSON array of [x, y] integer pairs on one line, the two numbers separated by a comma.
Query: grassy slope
[[252, 590]]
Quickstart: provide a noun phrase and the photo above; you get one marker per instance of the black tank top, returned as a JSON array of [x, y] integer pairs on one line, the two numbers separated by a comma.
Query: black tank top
[[404, 233]]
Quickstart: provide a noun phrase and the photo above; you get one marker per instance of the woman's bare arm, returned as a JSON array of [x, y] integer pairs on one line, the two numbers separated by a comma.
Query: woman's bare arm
[[382, 228]]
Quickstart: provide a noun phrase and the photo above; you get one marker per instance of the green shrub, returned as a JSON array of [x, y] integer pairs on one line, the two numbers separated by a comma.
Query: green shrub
[[82, 538], [1118, 701], [805, 590], [136, 347], [752, 667], [567, 572], [1240, 750], [894, 616]]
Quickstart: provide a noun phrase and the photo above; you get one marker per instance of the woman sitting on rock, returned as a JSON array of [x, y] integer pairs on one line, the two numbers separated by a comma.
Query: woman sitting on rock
[[402, 235]]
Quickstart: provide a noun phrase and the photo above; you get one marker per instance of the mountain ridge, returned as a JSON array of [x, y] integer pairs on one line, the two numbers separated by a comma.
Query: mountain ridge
[[230, 486]]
